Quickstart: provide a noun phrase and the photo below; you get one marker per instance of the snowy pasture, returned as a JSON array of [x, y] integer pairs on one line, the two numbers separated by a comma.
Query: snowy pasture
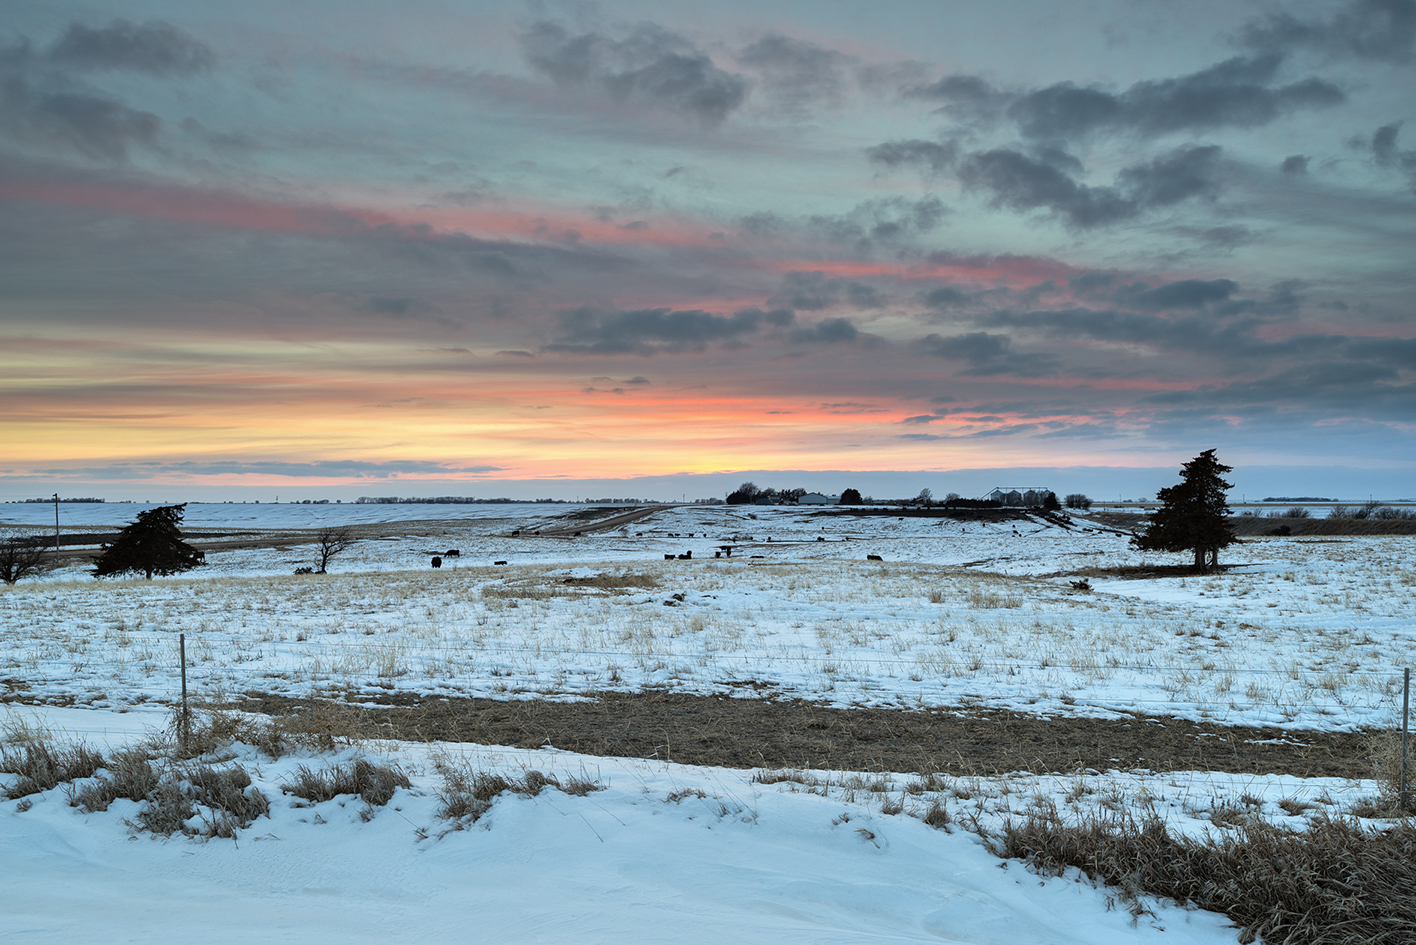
[[1299, 633], [1304, 634]]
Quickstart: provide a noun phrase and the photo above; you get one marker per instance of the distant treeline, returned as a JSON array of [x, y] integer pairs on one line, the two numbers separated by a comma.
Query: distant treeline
[[1297, 498], [50, 500]]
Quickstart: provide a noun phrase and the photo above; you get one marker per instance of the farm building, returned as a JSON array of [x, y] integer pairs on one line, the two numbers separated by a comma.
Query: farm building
[[1026, 497]]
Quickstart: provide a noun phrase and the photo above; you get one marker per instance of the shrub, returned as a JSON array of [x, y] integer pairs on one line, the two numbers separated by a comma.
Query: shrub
[[21, 556], [1076, 500]]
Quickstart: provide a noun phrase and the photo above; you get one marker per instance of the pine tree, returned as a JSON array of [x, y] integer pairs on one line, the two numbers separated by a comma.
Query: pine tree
[[152, 545], [1194, 514]]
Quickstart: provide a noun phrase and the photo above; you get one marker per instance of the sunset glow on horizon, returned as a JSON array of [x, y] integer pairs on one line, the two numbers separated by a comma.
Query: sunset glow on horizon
[[294, 244]]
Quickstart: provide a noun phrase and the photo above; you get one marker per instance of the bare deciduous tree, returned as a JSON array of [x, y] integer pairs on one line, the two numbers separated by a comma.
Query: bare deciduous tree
[[21, 556], [333, 541]]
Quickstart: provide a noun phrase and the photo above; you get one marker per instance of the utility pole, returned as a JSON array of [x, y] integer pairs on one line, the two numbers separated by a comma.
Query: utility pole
[[56, 529]]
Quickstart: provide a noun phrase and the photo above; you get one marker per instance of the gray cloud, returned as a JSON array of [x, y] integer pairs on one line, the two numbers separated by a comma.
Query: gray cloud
[[937, 158], [153, 47], [95, 126], [1187, 293], [796, 74], [1021, 182], [1387, 154], [966, 98], [1383, 30], [885, 220], [830, 331], [986, 354], [1295, 165], [652, 65], [947, 297], [1235, 93], [1238, 92], [812, 291], [651, 331]]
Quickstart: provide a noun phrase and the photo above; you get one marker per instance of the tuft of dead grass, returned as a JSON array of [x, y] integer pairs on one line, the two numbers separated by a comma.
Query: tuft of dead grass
[[1385, 750], [376, 784], [43, 765], [1334, 881], [468, 793]]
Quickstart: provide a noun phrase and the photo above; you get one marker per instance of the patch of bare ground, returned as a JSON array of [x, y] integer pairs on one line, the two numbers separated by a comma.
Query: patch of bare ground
[[756, 732]]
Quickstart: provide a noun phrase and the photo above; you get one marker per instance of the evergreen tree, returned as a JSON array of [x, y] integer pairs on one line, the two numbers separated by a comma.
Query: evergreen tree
[[1194, 515], [152, 545], [851, 497]]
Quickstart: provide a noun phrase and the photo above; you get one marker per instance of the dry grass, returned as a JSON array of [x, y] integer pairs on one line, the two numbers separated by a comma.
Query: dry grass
[[1386, 759], [43, 765], [220, 799], [1335, 881], [322, 727], [375, 784], [468, 793]]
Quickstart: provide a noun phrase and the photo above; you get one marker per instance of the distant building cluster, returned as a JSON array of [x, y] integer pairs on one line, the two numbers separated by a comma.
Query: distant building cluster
[[1026, 497]]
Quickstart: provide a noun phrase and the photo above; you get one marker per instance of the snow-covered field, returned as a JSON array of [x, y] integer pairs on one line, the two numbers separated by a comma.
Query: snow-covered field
[[1307, 634]]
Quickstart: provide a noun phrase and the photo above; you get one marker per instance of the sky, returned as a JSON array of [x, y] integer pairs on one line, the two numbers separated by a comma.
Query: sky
[[352, 248]]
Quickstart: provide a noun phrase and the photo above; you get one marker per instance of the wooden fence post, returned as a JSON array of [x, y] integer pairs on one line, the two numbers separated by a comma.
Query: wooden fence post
[[1405, 726], [184, 724]]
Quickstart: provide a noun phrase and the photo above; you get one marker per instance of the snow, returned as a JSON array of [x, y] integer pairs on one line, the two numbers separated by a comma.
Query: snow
[[646, 859], [1305, 634]]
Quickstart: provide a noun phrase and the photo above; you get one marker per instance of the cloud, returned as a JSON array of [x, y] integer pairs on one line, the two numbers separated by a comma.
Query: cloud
[[398, 308], [1022, 182], [987, 354], [651, 331], [1387, 154], [343, 469], [946, 297], [95, 126], [1233, 93], [1186, 293], [965, 98], [937, 158], [1238, 92], [829, 331], [1295, 165], [796, 74], [812, 291], [154, 47], [885, 220], [652, 65], [1381, 30]]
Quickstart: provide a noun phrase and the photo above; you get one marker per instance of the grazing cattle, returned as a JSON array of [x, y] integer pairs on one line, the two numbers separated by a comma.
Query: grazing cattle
[[498, 562], [685, 556], [304, 570], [452, 553], [873, 558], [437, 562], [668, 557]]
